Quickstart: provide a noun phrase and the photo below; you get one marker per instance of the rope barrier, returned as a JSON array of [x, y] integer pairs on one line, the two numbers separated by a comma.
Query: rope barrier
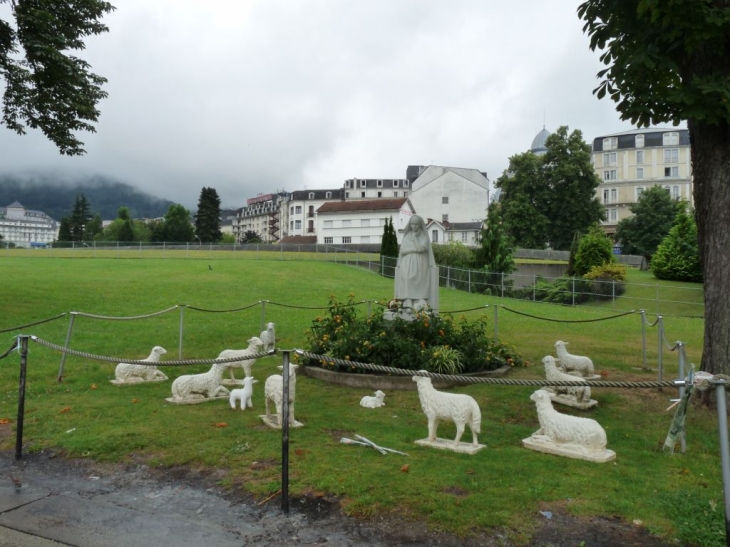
[[223, 311], [568, 320], [314, 307], [654, 324], [470, 309], [481, 379], [33, 324], [141, 362], [124, 318], [11, 350]]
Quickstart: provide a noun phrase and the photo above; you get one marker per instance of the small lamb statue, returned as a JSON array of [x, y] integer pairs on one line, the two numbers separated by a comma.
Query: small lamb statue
[[195, 387], [274, 392], [575, 396], [566, 435], [268, 337], [373, 402], [459, 408], [127, 373], [577, 365], [254, 346], [243, 395]]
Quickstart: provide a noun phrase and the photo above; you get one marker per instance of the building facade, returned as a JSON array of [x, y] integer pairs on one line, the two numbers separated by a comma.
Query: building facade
[[630, 162], [262, 214], [299, 213], [361, 221], [376, 188], [26, 228]]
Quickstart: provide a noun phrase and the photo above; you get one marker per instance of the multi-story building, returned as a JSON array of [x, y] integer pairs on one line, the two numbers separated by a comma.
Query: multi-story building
[[26, 228], [361, 221], [299, 213], [630, 162], [262, 215], [376, 188]]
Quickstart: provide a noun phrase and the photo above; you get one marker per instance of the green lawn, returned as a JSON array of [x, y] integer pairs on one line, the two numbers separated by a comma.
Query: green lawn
[[506, 485]]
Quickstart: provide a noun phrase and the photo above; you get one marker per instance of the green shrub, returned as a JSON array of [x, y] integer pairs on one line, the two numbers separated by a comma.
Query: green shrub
[[613, 270], [409, 345], [678, 258], [595, 249]]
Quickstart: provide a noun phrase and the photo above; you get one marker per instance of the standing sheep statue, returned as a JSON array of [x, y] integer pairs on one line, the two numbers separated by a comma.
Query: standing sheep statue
[[459, 408], [127, 373], [577, 365], [268, 337], [243, 395], [274, 392], [255, 346], [566, 435], [575, 396], [196, 388]]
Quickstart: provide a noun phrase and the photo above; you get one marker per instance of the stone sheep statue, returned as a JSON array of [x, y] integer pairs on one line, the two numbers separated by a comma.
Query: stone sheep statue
[[268, 337], [255, 346], [373, 402], [129, 373], [581, 394], [200, 386], [573, 364], [438, 406], [274, 392], [243, 395], [574, 432]]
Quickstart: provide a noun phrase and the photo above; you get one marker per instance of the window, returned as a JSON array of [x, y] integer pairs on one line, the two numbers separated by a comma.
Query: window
[[614, 195], [310, 212], [291, 210], [364, 239], [639, 157], [445, 200], [464, 237], [435, 236], [605, 196], [328, 241], [610, 143], [347, 194], [363, 183], [380, 194], [362, 194], [346, 223], [346, 239], [365, 223], [297, 224], [609, 175], [311, 195], [347, 185], [310, 226], [675, 192], [609, 158], [328, 195], [327, 224], [670, 139], [395, 184], [445, 218], [671, 155], [405, 194], [405, 184], [639, 172], [639, 191], [671, 171], [639, 141], [298, 209], [380, 184], [395, 194], [612, 215]]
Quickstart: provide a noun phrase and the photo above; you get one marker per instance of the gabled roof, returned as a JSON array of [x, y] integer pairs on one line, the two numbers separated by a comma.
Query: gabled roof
[[462, 226], [302, 240], [435, 172], [383, 204], [15, 205]]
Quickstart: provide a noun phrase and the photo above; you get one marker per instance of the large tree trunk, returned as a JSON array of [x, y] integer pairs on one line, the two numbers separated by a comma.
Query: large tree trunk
[[710, 146]]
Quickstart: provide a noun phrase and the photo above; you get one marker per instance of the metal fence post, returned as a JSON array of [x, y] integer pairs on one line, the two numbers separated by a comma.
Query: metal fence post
[[285, 435], [180, 333], [502, 284], [469, 272], [643, 339], [660, 329], [682, 358], [573, 290], [21, 396], [263, 314], [496, 323], [724, 452], [65, 345]]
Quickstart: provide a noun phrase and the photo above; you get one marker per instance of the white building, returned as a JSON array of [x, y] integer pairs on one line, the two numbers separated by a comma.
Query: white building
[[299, 213], [361, 221], [376, 188], [262, 215], [630, 162], [26, 228], [449, 194]]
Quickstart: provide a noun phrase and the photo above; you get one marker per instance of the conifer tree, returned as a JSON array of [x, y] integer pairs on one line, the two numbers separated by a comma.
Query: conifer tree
[[208, 217]]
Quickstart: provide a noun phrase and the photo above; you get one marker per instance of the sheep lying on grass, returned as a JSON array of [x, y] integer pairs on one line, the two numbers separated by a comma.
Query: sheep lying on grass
[[268, 337], [581, 394], [200, 386], [438, 406], [373, 402], [243, 395], [129, 373], [274, 392], [573, 364], [573, 432], [255, 346]]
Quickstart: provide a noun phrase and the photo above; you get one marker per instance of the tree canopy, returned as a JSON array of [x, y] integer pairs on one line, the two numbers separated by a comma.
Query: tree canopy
[[677, 258], [208, 217], [495, 252], [46, 87], [668, 61], [653, 217], [546, 199]]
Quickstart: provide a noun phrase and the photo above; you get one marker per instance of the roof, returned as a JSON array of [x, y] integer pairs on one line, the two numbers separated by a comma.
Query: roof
[[538, 143], [466, 225], [297, 195], [383, 204], [302, 240]]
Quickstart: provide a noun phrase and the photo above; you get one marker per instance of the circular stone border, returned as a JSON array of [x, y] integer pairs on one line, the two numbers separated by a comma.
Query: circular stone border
[[377, 381]]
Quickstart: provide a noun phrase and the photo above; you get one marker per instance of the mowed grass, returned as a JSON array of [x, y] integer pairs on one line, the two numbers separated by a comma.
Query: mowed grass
[[504, 485]]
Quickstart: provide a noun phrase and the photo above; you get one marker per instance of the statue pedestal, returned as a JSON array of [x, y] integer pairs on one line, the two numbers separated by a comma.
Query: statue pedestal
[[195, 401], [568, 451], [271, 421], [445, 444], [572, 402], [136, 382]]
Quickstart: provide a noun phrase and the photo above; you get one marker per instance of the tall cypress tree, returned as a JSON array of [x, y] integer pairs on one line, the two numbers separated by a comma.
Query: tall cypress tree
[[388, 249], [208, 217], [79, 217]]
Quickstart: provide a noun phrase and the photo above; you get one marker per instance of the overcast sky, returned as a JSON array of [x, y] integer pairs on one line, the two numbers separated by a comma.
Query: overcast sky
[[255, 96]]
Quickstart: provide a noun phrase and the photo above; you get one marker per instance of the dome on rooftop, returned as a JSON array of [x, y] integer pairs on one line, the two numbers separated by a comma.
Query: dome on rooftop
[[538, 143]]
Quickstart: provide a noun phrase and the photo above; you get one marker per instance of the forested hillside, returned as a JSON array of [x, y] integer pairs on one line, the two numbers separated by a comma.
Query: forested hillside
[[56, 199]]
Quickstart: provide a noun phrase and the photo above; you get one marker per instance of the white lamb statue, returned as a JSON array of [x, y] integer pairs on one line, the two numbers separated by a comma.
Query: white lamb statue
[[193, 387], [581, 395], [243, 395], [268, 337], [566, 435], [373, 401], [459, 408], [254, 346], [274, 392], [127, 373], [573, 364]]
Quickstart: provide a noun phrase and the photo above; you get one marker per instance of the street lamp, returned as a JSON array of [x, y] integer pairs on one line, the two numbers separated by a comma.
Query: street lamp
[[199, 242]]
